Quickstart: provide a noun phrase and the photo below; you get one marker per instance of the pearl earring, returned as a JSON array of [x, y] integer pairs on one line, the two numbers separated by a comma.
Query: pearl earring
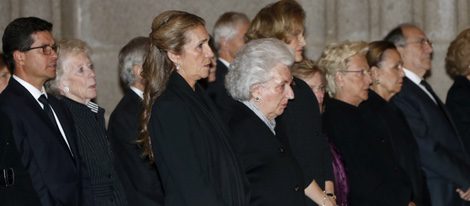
[[257, 99], [66, 89]]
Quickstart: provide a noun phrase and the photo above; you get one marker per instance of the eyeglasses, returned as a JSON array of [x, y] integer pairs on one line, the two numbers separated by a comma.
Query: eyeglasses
[[361, 72], [421, 42], [46, 49]]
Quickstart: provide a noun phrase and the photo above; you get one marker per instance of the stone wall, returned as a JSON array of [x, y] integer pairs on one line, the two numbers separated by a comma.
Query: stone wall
[[108, 24]]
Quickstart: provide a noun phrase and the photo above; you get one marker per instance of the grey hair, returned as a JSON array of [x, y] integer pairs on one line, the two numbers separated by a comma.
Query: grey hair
[[226, 27], [67, 48], [133, 53], [254, 64]]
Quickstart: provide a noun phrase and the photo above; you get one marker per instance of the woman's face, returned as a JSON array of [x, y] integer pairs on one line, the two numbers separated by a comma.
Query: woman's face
[[355, 81], [195, 59], [274, 94], [4, 77], [317, 84], [389, 76], [297, 43], [79, 77]]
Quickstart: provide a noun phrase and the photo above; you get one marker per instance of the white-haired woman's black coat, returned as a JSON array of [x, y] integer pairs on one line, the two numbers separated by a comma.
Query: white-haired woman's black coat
[[275, 176]]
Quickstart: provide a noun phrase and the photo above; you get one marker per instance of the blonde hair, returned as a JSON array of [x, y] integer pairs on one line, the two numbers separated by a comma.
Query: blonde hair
[[168, 35], [335, 58], [305, 69], [280, 20], [457, 61]]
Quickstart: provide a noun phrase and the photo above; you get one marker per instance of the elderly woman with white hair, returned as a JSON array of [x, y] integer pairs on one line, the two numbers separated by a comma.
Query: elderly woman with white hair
[[259, 79], [75, 85]]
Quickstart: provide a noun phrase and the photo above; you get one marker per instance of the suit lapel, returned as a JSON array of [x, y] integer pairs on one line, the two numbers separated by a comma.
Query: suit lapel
[[31, 103]]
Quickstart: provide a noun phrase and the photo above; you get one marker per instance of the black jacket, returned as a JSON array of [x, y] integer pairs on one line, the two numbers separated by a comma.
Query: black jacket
[[141, 180], [190, 142], [275, 176], [46, 159]]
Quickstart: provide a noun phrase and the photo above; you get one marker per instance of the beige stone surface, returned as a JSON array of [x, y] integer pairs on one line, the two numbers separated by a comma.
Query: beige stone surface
[[108, 24]]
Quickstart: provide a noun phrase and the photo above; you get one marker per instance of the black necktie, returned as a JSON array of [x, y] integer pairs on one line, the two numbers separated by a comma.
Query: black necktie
[[47, 109], [430, 90]]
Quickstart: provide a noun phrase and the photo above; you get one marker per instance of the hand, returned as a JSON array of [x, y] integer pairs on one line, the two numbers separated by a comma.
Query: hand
[[329, 202], [465, 195], [411, 204]]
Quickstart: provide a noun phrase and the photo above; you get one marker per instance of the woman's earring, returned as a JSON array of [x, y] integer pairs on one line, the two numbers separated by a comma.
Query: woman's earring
[[66, 89], [257, 99], [177, 66]]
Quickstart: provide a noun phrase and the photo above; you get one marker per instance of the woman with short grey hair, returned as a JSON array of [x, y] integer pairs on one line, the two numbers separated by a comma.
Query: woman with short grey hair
[[254, 65], [259, 79]]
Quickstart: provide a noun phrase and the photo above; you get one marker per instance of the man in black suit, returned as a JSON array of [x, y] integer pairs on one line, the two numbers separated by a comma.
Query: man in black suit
[[229, 32], [443, 157], [44, 170], [140, 179]]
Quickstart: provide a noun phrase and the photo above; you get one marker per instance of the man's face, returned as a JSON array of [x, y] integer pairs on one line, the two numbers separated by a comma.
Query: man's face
[[417, 51], [36, 66]]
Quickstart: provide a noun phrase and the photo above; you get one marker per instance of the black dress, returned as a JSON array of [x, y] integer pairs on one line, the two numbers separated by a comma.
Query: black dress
[[275, 176], [374, 175], [101, 185], [196, 163], [458, 104], [301, 124]]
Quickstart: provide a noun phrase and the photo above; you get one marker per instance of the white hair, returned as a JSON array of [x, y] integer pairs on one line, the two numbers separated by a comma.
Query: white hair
[[227, 26], [254, 64]]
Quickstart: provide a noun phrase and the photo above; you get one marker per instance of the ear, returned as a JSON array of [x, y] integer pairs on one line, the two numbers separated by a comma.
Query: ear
[[374, 72], [401, 50], [137, 70], [339, 78], [255, 91], [175, 58], [19, 57]]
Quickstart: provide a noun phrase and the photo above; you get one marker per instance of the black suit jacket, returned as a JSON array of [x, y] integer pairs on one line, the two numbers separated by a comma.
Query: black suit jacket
[[301, 124], [218, 93], [190, 142], [458, 103], [54, 172], [140, 179], [442, 154], [274, 175], [375, 177]]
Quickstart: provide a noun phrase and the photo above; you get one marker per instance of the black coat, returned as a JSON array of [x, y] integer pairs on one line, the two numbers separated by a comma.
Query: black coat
[[100, 182], [396, 144], [196, 163], [373, 172], [301, 124], [443, 157], [46, 161], [274, 175], [141, 180], [458, 104]]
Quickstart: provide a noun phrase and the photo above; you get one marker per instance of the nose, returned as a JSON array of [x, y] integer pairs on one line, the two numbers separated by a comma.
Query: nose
[[302, 40], [428, 47], [368, 79], [209, 53], [402, 72], [289, 92]]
